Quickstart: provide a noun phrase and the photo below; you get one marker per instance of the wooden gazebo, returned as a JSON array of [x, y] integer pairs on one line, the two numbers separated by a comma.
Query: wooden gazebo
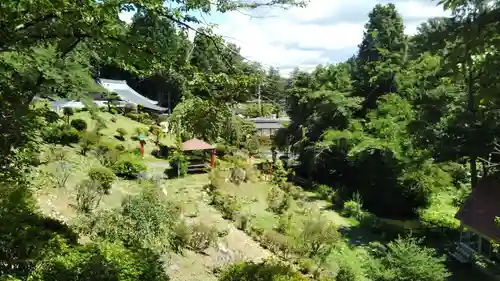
[[198, 145]]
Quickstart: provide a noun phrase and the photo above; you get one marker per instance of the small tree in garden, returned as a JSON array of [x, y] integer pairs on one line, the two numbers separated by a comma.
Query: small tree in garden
[[103, 176], [280, 174], [62, 172], [407, 259], [112, 100], [89, 194], [318, 236], [79, 124], [68, 112], [88, 141], [157, 132]]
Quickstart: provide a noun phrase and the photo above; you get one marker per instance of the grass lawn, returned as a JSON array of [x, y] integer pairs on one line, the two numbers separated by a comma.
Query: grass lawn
[[129, 125]]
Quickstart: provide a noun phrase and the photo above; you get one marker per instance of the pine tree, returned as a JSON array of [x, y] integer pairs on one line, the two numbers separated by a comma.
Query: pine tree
[[381, 54]]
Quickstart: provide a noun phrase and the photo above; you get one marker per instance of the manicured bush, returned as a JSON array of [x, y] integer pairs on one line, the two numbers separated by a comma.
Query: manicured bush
[[79, 124], [129, 167], [68, 111], [69, 135], [63, 135], [120, 147], [88, 140], [121, 133], [51, 117], [104, 176], [276, 200]]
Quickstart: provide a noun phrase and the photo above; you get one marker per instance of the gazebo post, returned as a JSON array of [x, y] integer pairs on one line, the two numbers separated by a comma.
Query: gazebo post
[[213, 158]]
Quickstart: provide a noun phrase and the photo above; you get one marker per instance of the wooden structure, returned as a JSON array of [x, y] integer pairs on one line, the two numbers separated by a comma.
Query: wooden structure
[[478, 228], [197, 165]]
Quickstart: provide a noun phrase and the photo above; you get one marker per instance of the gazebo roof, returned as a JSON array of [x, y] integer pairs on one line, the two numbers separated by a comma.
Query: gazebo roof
[[481, 208], [195, 144]]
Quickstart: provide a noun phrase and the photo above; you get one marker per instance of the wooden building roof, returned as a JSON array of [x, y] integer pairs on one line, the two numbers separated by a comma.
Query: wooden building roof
[[481, 208]]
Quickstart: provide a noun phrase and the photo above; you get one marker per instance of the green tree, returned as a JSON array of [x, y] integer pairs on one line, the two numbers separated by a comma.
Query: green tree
[[103, 260], [381, 54]]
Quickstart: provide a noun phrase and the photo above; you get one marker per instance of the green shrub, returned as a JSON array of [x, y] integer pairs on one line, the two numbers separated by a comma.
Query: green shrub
[[51, 117], [68, 111], [278, 243], [100, 261], [180, 236], [129, 167], [264, 271], [179, 164], [306, 266], [280, 174], [407, 259], [324, 191], [157, 132], [106, 154], [104, 176], [64, 135], [285, 224], [227, 204], [140, 107], [202, 236], [346, 273], [88, 140], [351, 209], [89, 194], [318, 235], [120, 147], [277, 201], [122, 132], [79, 124], [69, 135], [138, 131]]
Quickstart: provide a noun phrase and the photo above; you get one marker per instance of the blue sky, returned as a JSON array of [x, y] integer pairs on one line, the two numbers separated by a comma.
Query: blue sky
[[326, 31]]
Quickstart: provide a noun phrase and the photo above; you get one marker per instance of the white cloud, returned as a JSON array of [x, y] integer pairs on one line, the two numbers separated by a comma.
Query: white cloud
[[325, 31]]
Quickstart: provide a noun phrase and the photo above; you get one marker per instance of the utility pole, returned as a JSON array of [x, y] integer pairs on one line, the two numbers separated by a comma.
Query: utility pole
[[169, 104], [259, 97]]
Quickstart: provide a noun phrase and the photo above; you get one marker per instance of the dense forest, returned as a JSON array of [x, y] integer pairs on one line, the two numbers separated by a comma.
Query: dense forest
[[403, 122], [407, 116]]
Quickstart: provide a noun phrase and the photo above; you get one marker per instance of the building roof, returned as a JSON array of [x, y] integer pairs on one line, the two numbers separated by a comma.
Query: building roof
[[481, 208], [128, 94], [195, 144], [268, 123], [66, 103]]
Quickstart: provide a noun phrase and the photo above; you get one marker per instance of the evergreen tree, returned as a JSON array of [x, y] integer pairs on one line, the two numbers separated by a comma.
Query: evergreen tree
[[381, 54]]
